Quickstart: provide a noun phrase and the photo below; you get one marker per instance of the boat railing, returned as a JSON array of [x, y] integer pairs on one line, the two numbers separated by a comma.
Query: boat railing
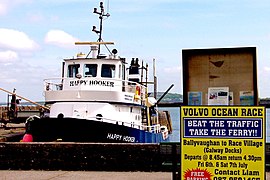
[[58, 84], [53, 84], [152, 129]]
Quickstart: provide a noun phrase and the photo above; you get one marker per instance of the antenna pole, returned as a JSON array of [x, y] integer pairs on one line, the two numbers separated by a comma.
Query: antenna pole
[[100, 25], [101, 16]]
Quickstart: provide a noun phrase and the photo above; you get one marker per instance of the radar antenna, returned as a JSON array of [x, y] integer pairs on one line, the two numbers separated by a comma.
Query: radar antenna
[[101, 14]]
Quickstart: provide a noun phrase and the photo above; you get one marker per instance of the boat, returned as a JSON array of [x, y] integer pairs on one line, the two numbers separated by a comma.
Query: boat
[[98, 99]]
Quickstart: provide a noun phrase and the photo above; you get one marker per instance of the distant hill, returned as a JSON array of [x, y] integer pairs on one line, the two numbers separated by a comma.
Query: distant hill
[[176, 98], [170, 97]]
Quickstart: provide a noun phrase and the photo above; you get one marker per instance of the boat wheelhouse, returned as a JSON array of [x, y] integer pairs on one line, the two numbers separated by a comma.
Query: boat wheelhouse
[[97, 89]]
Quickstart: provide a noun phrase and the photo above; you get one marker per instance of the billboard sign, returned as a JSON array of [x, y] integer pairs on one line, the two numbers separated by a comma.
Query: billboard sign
[[222, 142]]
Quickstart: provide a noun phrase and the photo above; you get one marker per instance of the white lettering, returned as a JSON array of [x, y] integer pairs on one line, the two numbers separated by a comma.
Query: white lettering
[[119, 137]]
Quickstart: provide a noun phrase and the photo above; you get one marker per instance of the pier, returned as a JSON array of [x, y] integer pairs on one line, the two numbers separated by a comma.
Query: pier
[[89, 156], [164, 157]]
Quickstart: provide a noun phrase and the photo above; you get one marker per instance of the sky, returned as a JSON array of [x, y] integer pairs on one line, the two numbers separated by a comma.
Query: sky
[[35, 35]]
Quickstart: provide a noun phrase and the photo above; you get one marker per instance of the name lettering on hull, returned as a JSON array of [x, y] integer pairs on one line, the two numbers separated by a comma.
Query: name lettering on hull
[[119, 137]]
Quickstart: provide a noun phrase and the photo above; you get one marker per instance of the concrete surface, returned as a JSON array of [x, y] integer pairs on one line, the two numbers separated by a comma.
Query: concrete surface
[[89, 175], [81, 175]]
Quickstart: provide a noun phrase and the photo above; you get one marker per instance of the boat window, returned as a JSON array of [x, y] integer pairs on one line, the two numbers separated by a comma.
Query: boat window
[[90, 70], [108, 70], [73, 70]]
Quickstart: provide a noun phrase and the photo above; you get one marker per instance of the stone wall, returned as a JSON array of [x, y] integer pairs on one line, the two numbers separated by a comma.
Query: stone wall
[[80, 156], [94, 157]]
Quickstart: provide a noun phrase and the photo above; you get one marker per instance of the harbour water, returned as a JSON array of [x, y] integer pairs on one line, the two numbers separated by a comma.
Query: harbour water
[[175, 116]]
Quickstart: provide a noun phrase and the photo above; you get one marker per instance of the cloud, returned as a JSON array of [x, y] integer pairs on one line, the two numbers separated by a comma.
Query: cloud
[[176, 69], [60, 38], [37, 17], [27, 78], [16, 40], [8, 56], [267, 69], [6, 5], [3, 9]]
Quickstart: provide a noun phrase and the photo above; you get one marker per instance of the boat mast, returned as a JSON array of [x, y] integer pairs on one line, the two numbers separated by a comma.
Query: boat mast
[[101, 16], [155, 78]]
